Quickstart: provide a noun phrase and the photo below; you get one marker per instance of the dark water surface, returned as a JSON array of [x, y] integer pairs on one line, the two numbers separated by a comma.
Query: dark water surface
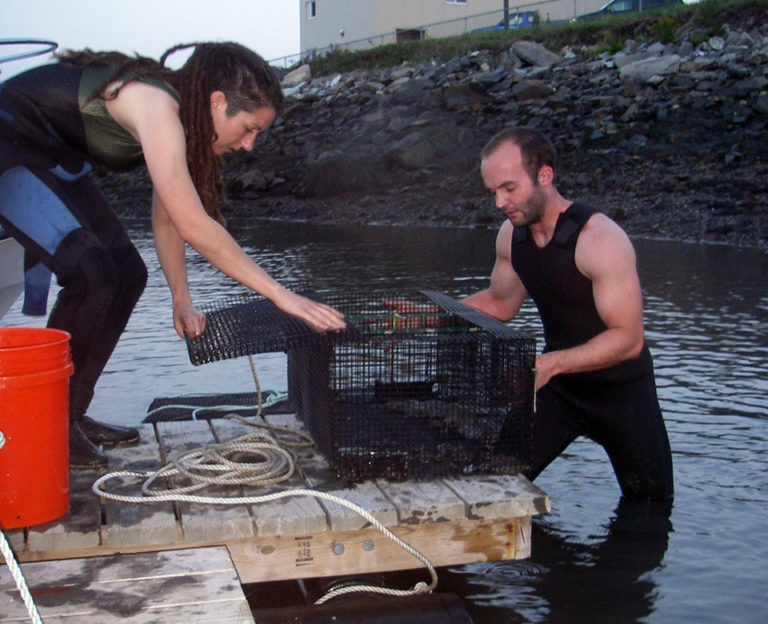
[[702, 560]]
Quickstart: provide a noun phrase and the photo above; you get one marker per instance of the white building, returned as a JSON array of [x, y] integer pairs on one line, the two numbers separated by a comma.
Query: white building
[[360, 24]]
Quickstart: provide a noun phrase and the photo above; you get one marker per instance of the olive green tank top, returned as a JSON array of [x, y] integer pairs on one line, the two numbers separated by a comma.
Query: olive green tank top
[[107, 141]]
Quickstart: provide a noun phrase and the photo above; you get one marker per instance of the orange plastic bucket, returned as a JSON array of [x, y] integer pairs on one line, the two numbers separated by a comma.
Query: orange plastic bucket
[[31, 350], [35, 367]]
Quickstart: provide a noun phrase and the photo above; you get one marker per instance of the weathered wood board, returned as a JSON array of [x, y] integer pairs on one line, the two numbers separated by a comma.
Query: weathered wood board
[[368, 550], [195, 585]]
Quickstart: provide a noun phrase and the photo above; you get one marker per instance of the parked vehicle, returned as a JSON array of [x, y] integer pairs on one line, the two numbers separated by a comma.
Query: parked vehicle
[[520, 19], [615, 7]]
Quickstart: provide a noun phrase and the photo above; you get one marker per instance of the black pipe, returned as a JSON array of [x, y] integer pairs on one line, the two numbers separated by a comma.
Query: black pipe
[[418, 609]]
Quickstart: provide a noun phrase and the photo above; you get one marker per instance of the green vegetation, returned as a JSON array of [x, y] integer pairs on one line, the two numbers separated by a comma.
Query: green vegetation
[[605, 34]]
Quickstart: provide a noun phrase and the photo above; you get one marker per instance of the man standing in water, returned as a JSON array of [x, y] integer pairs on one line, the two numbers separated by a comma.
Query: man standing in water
[[595, 375]]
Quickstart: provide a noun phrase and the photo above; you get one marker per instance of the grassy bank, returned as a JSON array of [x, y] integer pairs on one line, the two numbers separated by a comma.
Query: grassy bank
[[604, 34]]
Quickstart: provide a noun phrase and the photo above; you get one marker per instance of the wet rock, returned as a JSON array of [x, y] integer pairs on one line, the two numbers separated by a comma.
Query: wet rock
[[760, 105], [335, 173], [302, 74], [492, 78], [411, 92], [648, 68], [248, 181], [531, 90], [412, 152], [535, 53]]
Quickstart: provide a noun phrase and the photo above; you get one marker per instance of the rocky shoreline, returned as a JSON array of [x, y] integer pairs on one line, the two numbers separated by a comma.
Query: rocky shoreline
[[668, 139]]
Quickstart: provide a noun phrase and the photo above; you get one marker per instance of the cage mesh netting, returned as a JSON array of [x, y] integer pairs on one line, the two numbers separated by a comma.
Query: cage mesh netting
[[246, 325], [418, 385]]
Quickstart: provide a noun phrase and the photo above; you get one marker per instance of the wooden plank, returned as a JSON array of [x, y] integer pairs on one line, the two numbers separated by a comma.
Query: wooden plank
[[202, 522], [318, 476], [137, 524], [493, 497], [368, 550], [423, 501], [366, 495], [80, 527], [198, 585]]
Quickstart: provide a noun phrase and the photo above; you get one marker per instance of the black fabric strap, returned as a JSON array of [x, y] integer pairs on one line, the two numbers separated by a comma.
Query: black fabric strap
[[572, 220]]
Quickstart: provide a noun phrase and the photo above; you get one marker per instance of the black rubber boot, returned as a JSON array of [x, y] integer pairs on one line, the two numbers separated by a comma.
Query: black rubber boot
[[84, 454], [106, 435]]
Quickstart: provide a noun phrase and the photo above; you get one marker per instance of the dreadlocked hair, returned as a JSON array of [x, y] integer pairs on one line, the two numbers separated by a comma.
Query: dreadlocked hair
[[245, 78], [248, 83]]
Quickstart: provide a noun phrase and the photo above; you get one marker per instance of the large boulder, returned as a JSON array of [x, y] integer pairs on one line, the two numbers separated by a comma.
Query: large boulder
[[535, 54], [646, 69], [414, 151], [298, 76]]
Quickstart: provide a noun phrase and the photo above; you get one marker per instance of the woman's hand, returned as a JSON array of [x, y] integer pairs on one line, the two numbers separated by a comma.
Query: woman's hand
[[318, 316], [187, 319]]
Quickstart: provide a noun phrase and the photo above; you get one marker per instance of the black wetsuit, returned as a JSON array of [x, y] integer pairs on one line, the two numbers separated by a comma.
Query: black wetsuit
[[616, 406], [49, 135]]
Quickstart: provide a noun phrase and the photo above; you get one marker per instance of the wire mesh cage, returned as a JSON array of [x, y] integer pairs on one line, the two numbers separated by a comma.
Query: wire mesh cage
[[417, 386], [246, 325]]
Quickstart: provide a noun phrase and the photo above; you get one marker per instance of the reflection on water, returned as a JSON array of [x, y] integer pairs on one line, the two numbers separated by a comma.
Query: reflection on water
[[594, 560], [604, 579]]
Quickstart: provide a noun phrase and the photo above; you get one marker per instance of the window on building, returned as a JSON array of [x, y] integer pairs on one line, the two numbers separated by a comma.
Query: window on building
[[311, 10]]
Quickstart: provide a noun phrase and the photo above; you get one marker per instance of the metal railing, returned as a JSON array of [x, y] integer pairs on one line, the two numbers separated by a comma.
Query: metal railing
[[470, 22]]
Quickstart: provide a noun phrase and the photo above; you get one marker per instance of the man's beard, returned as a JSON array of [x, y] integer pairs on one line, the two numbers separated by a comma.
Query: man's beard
[[533, 209]]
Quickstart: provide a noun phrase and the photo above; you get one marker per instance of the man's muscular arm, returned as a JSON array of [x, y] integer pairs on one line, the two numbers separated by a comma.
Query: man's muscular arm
[[605, 255]]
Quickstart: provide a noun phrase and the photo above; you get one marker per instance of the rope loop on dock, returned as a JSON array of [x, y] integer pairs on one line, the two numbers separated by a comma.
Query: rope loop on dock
[[252, 459]]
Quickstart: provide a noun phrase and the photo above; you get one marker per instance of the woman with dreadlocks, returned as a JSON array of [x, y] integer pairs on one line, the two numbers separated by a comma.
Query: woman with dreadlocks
[[117, 110]]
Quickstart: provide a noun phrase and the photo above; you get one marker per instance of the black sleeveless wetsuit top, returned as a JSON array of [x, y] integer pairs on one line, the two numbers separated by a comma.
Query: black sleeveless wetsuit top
[[51, 124], [51, 120], [564, 296]]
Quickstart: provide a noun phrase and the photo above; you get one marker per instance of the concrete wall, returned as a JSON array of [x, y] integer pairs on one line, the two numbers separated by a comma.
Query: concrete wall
[[337, 22], [360, 24]]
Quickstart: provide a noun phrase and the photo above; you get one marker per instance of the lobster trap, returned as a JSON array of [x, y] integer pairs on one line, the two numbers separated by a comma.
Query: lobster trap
[[417, 386]]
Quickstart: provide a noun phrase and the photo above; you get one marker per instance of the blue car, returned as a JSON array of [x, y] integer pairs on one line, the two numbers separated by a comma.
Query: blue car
[[615, 7], [522, 19]]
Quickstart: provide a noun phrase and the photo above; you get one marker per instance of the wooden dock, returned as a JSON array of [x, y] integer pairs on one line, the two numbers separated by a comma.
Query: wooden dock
[[451, 521]]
